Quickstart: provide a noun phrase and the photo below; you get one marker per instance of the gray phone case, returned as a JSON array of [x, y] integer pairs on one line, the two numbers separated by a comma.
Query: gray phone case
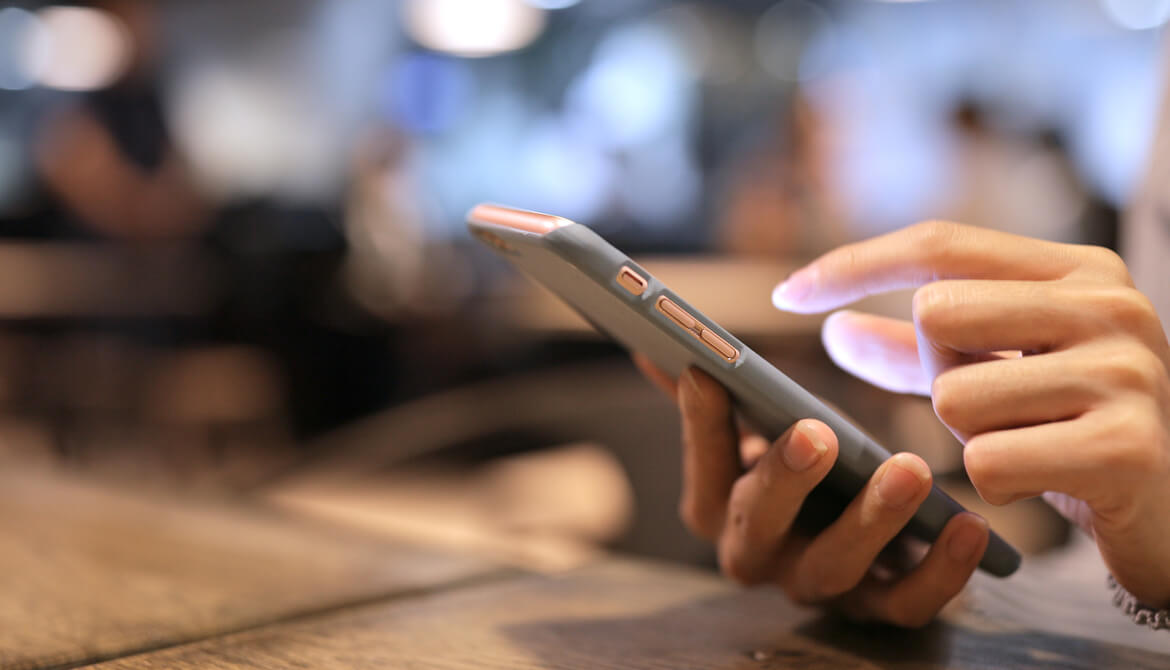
[[582, 269]]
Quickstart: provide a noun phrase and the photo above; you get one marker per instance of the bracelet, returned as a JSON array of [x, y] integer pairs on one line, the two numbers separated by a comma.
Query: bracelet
[[1142, 615]]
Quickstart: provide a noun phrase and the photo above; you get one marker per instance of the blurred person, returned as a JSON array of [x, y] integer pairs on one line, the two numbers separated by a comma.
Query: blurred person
[[109, 161], [109, 157], [392, 269], [383, 225], [1048, 361], [781, 200], [1019, 183]]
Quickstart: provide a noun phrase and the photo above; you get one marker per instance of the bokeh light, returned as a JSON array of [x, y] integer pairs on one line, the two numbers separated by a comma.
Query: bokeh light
[[1137, 14], [248, 136], [637, 87], [426, 92], [473, 28], [1114, 131], [77, 49], [560, 171]]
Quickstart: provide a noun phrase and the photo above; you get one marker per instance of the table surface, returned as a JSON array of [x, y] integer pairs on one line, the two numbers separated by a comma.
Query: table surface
[[94, 575], [88, 573]]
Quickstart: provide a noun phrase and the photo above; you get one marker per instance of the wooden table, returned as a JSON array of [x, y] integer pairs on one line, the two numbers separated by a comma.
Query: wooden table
[[88, 573], [91, 574]]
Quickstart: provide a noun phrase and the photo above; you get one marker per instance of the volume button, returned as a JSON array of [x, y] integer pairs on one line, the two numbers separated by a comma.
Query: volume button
[[667, 306], [697, 330], [719, 345]]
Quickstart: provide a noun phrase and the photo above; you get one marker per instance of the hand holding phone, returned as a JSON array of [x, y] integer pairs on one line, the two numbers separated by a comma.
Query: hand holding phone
[[744, 494], [846, 506]]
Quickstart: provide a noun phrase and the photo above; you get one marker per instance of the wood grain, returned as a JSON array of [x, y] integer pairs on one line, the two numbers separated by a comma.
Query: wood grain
[[88, 573], [622, 614]]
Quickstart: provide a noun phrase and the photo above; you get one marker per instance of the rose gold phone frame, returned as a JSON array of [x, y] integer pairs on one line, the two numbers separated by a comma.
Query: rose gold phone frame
[[517, 219]]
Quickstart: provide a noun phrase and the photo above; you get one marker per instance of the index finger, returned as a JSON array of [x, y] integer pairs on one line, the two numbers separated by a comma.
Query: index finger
[[918, 255]]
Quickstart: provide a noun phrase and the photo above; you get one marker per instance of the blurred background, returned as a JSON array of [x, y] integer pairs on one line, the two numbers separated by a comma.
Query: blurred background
[[233, 260]]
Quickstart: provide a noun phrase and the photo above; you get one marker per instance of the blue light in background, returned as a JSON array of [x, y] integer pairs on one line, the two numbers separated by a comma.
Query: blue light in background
[[887, 109], [1114, 128], [638, 88], [892, 165], [1035, 65], [426, 93], [562, 172], [660, 184], [16, 27], [515, 155]]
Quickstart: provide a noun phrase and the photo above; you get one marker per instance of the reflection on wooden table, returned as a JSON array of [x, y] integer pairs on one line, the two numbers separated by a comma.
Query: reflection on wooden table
[[93, 574]]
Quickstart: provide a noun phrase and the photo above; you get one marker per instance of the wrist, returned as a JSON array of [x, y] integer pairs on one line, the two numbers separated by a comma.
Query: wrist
[[1142, 614]]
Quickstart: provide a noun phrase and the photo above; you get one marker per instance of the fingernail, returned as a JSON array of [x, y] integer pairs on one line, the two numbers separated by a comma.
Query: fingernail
[[965, 542], [801, 454], [901, 482], [791, 291]]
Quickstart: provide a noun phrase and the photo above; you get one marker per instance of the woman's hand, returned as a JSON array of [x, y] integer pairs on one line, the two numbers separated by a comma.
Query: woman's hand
[[743, 494], [1042, 358]]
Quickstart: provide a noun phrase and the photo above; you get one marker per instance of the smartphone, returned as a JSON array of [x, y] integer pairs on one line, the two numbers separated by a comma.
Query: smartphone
[[626, 303]]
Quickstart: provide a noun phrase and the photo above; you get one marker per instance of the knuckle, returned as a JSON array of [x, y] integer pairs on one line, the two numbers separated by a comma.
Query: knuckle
[[742, 563], [736, 566], [746, 525], [932, 306], [1133, 369], [985, 473], [1108, 263], [848, 259], [946, 394], [1125, 307], [935, 238], [1137, 446], [1131, 458]]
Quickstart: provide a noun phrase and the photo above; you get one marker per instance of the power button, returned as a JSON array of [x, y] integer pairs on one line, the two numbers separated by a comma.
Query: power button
[[631, 281]]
